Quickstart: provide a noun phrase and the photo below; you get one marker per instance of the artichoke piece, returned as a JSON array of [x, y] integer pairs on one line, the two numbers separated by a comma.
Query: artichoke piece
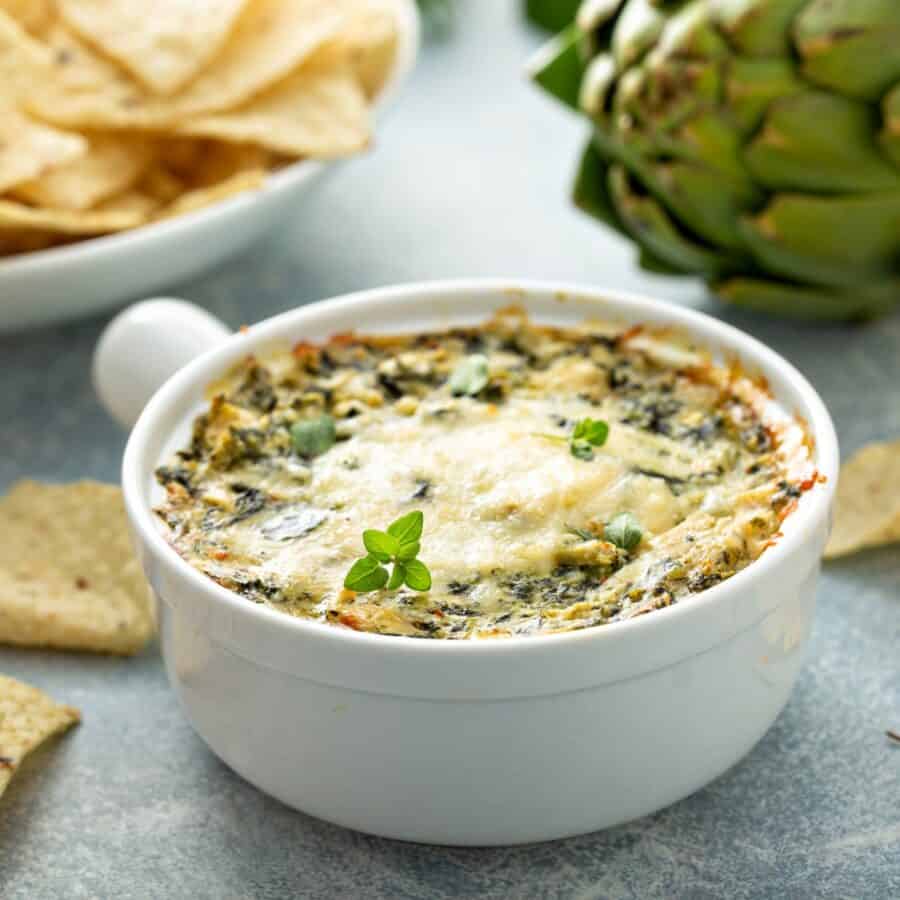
[[850, 46], [710, 138], [558, 67], [803, 302], [691, 33], [553, 15], [650, 262], [708, 202], [890, 136], [649, 224], [591, 193], [596, 18], [832, 241], [752, 84], [638, 26], [670, 91], [595, 86], [592, 14], [741, 139], [757, 27], [817, 141]]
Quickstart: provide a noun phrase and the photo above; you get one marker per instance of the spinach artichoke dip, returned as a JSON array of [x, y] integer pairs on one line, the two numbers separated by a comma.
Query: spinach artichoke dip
[[508, 479]]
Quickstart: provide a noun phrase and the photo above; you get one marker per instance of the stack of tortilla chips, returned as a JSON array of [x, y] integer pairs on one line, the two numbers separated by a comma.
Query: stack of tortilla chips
[[114, 113]]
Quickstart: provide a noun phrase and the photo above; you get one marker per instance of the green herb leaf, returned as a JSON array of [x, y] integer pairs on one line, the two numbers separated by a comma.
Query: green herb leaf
[[470, 376], [397, 576], [583, 533], [594, 431], [587, 434], [312, 437], [581, 450], [366, 574], [398, 545], [408, 551], [380, 545], [407, 528], [624, 531], [417, 575]]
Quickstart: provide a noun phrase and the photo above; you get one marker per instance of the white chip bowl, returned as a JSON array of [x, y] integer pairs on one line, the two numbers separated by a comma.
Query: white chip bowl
[[98, 273], [464, 742]]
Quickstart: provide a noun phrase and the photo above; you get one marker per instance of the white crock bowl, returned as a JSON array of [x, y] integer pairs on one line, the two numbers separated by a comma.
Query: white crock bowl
[[77, 279], [464, 742]]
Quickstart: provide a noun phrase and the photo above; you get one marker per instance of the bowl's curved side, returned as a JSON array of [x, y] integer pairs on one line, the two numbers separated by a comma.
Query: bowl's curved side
[[515, 667], [481, 772], [67, 282]]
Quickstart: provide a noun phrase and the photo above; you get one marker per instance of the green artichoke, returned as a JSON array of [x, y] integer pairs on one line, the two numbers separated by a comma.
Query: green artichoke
[[753, 142]]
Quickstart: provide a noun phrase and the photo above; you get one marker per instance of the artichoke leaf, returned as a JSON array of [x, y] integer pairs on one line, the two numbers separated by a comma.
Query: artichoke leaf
[[558, 67], [627, 94], [551, 15], [636, 29], [711, 139], [705, 200], [837, 241], [651, 227], [757, 27], [690, 33], [650, 262], [752, 84], [889, 139], [593, 14], [850, 46], [796, 301], [596, 85], [671, 91], [816, 141], [597, 19], [590, 193]]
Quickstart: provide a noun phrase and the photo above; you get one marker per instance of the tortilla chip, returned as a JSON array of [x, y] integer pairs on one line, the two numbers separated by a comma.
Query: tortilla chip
[[69, 578], [65, 221], [160, 184], [250, 180], [14, 241], [370, 44], [28, 149], [134, 202], [28, 717], [202, 163], [270, 40], [312, 113], [111, 164], [24, 62], [867, 509], [35, 16], [163, 47]]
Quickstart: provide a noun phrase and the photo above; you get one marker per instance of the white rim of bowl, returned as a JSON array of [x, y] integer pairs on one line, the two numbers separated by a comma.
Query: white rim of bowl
[[409, 32], [813, 508]]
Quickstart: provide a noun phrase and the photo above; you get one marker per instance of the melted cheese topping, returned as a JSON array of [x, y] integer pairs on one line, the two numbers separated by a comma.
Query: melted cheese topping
[[514, 531]]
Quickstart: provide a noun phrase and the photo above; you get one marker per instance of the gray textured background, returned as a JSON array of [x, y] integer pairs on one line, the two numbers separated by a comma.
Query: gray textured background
[[469, 177]]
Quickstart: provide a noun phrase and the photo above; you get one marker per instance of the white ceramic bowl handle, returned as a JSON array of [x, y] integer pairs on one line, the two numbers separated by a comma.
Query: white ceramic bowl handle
[[144, 345]]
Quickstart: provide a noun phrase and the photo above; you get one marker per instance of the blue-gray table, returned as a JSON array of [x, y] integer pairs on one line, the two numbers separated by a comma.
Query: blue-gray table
[[469, 177]]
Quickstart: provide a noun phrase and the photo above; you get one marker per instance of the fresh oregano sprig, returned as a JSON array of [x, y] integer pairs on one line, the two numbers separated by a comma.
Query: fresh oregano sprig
[[399, 546], [587, 434]]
